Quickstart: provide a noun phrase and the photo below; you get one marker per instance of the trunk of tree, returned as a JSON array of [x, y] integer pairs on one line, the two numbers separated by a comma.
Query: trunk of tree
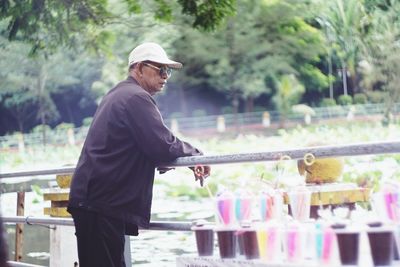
[[249, 104], [42, 110], [69, 111], [232, 59], [182, 100]]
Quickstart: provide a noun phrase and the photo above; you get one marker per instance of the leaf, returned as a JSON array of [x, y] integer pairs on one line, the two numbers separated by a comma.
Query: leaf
[[37, 190]]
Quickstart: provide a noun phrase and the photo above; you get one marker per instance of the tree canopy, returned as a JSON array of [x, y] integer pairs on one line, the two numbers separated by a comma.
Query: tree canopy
[[51, 23]]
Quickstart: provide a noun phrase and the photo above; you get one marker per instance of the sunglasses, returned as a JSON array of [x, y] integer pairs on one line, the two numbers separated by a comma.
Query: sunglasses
[[164, 70]]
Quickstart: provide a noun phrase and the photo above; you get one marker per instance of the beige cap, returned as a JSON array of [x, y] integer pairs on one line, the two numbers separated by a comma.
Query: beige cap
[[152, 52]]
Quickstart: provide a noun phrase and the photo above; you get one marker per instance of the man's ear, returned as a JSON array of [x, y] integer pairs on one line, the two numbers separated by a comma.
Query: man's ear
[[140, 67]]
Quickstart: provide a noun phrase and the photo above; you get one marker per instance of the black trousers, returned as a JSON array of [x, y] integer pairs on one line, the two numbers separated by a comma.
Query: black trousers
[[100, 239]]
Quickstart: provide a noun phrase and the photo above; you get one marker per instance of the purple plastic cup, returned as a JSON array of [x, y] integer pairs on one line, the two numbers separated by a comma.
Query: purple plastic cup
[[204, 239], [226, 242]]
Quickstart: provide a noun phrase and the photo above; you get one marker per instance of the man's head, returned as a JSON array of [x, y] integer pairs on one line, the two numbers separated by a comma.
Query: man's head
[[150, 66]]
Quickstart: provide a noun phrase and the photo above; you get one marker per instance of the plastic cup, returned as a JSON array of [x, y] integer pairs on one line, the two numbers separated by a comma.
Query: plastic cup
[[204, 240], [381, 241], [294, 244], [324, 240], [243, 206], [348, 244], [225, 208], [249, 242], [226, 242], [300, 203], [272, 243]]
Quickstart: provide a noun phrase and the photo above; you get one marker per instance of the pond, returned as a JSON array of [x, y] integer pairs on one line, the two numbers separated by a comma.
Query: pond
[[166, 245]]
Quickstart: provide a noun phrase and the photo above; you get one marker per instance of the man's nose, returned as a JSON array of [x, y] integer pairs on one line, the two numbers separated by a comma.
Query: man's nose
[[164, 75]]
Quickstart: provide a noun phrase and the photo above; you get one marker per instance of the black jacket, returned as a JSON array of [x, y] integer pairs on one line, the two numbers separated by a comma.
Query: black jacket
[[126, 140]]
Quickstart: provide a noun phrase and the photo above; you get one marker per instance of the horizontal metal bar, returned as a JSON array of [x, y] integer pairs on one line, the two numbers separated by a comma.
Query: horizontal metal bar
[[298, 153], [154, 225], [65, 170], [294, 154], [21, 264]]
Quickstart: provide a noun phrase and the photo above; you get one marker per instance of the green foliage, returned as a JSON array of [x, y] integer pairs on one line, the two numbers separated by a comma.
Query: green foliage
[[376, 97], [47, 24], [87, 121], [199, 113], [289, 93], [227, 110], [259, 108], [208, 14], [62, 127], [345, 100], [327, 102], [38, 194], [360, 98], [313, 78], [41, 128]]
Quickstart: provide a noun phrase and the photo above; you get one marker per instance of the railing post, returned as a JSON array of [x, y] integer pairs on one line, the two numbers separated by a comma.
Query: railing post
[[266, 120], [21, 142], [221, 124], [71, 136], [19, 228], [174, 126]]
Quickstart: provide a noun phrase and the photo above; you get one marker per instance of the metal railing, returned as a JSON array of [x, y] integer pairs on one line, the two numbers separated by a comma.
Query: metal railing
[[293, 154], [298, 153]]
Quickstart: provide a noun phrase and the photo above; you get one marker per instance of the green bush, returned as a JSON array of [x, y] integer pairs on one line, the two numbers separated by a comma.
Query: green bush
[[87, 121], [376, 97], [360, 98], [259, 109], [39, 128], [327, 102], [199, 113], [64, 126], [345, 100], [227, 110]]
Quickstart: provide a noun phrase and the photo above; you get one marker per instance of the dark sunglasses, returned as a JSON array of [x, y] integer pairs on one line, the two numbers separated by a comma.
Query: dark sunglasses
[[164, 70]]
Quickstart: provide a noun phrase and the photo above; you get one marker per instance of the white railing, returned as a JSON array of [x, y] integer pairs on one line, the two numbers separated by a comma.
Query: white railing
[[192, 124]]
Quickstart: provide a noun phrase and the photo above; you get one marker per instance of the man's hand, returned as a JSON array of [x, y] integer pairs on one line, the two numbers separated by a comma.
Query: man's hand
[[201, 172]]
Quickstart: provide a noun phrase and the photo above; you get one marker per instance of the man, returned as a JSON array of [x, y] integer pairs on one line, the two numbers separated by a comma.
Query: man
[[111, 188]]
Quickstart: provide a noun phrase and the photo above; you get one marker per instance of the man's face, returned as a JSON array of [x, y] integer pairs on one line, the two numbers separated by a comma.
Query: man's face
[[155, 76]]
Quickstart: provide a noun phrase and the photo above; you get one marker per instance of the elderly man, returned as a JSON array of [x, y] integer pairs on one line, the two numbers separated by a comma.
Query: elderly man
[[111, 190]]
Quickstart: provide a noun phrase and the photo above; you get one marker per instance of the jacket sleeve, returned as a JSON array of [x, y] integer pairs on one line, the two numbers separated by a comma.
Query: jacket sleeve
[[151, 134]]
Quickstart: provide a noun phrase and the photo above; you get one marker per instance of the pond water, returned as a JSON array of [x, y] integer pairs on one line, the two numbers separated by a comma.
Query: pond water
[[166, 245]]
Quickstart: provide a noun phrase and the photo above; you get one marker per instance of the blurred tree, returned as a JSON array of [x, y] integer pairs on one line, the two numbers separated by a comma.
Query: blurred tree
[[381, 67], [47, 24], [288, 94], [345, 23], [28, 83], [266, 40]]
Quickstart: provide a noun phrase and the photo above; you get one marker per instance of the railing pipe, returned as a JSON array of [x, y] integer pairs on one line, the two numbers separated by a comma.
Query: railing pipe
[[295, 154], [154, 225], [21, 264]]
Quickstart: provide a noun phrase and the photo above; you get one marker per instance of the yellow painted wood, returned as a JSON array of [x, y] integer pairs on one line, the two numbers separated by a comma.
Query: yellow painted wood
[[56, 196], [64, 180], [337, 197], [56, 212]]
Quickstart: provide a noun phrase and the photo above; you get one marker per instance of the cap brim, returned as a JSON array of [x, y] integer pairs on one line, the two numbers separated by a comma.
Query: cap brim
[[170, 63]]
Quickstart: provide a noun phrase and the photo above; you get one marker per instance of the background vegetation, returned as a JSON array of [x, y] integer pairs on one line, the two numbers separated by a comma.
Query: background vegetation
[[58, 58]]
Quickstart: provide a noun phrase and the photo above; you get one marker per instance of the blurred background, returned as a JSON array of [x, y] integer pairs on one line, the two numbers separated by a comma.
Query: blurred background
[[258, 75]]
